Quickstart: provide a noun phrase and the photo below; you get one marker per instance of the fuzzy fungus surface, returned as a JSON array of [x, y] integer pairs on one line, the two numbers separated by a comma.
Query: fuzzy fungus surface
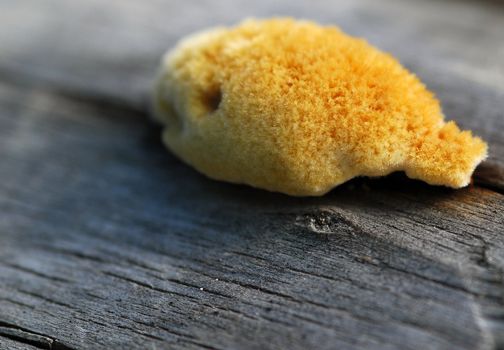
[[294, 107]]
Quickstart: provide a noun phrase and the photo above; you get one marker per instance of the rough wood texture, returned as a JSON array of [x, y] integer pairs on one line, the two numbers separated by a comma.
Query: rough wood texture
[[107, 241]]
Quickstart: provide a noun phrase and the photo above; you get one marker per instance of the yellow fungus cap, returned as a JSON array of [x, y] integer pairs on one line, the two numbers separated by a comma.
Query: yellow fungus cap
[[294, 107]]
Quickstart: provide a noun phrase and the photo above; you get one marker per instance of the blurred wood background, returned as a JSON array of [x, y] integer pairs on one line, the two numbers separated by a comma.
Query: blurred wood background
[[109, 242]]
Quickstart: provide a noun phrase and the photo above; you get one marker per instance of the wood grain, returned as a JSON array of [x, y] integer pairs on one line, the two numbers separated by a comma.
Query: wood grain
[[108, 242]]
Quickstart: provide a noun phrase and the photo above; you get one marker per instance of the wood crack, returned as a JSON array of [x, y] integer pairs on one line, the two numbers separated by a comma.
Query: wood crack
[[145, 285], [30, 337], [36, 273], [49, 300]]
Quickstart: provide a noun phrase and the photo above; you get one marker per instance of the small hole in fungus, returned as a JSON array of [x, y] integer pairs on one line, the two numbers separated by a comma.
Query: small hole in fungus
[[212, 99]]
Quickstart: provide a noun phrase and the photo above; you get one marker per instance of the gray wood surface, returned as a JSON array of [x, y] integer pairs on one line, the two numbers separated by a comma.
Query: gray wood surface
[[108, 241]]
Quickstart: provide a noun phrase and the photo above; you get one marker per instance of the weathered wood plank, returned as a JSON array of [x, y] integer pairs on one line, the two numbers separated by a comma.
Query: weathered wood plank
[[111, 49], [106, 241]]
